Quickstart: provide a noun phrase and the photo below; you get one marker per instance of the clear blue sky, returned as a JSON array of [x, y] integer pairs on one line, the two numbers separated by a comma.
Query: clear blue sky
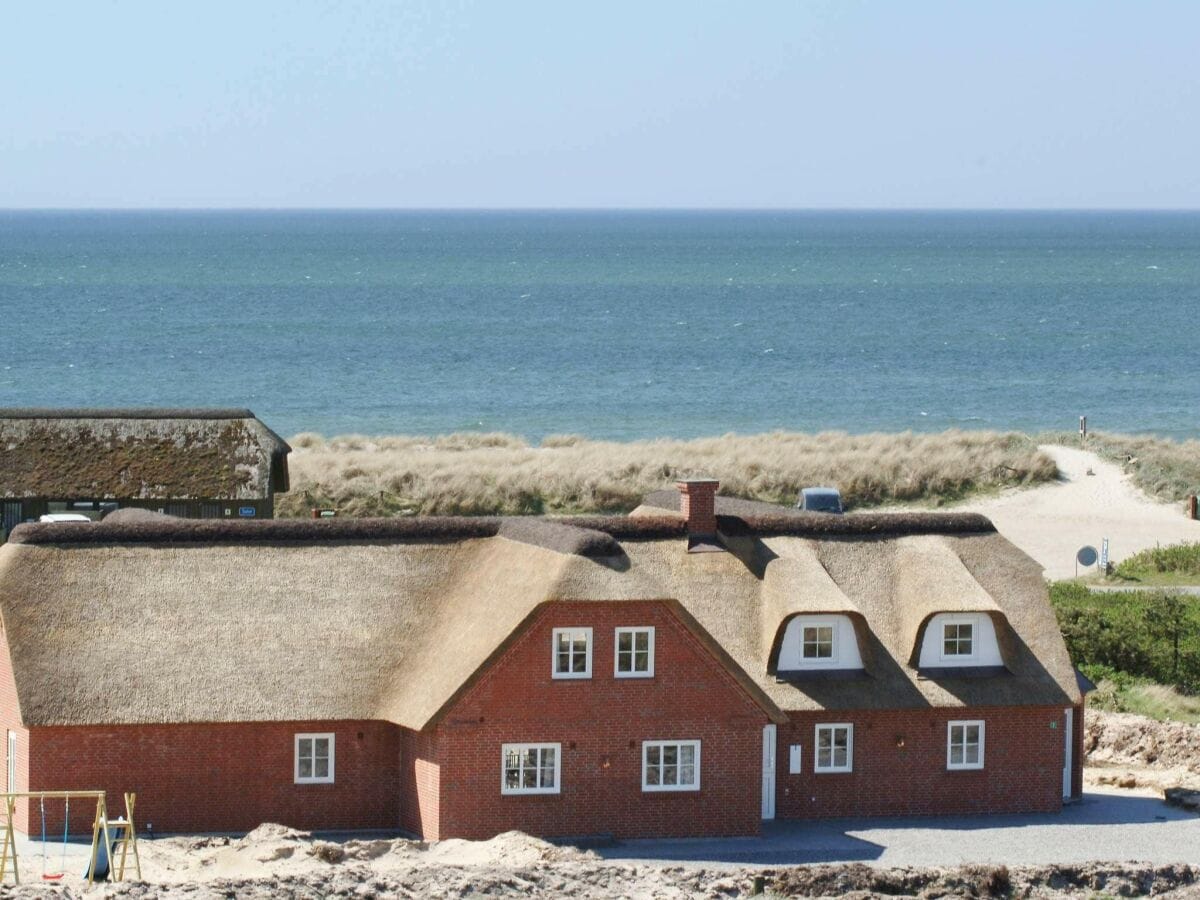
[[654, 103]]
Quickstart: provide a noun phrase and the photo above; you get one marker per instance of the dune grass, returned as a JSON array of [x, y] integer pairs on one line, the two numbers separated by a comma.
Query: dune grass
[[487, 474], [1163, 468]]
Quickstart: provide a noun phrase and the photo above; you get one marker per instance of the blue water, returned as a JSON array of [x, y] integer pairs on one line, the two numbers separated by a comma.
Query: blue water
[[621, 324]]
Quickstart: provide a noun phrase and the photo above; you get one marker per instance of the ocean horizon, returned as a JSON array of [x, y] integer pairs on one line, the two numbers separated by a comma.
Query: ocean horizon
[[614, 324]]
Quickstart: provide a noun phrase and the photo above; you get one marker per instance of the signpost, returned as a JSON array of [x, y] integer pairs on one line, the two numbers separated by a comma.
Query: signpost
[[1104, 556], [1086, 556]]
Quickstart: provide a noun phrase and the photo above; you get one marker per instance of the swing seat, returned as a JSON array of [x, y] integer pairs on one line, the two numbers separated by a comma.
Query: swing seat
[[52, 876]]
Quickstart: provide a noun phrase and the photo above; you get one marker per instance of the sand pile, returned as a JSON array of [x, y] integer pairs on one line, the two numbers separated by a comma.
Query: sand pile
[[1123, 738], [275, 850], [1128, 751]]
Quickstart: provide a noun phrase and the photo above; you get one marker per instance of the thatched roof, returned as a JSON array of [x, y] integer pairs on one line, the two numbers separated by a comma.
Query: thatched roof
[[121, 454], [393, 619]]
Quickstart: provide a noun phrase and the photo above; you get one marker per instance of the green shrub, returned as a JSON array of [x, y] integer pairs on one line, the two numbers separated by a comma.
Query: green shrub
[[1182, 559], [1123, 636]]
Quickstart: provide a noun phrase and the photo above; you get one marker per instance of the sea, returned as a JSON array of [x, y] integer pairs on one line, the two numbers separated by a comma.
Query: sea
[[615, 325]]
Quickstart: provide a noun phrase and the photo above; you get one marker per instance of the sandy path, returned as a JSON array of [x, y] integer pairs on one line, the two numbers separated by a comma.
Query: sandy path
[[1052, 522]]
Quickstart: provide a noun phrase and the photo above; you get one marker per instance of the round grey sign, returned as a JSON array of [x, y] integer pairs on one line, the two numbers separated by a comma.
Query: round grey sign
[[1087, 556]]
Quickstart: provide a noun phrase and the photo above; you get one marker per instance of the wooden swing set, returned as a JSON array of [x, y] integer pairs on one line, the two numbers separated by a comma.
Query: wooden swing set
[[107, 835]]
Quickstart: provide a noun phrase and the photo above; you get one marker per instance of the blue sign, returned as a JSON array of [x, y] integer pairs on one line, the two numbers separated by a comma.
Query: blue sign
[[246, 511]]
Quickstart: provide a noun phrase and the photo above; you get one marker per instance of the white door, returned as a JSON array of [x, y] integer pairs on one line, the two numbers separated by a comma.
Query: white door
[[768, 784], [1069, 754]]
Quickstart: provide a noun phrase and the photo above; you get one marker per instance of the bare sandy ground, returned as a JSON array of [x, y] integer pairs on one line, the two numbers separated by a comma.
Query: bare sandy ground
[[1053, 521]]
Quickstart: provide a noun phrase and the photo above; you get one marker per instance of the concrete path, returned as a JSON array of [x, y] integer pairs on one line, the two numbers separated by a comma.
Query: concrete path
[[1108, 827]]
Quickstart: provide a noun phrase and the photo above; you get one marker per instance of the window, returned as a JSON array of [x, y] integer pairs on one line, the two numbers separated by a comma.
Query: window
[[634, 657], [572, 653], [964, 745], [834, 748], [314, 759], [963, 639], [671, 766], [817, 642], [530, 768], [958, 640]]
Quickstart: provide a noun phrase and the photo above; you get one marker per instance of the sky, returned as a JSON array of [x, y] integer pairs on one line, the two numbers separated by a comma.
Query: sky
[[655, 103]]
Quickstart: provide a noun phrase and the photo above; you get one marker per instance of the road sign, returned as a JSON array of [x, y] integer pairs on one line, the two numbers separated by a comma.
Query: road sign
[[1086, 556], [1104, 555]]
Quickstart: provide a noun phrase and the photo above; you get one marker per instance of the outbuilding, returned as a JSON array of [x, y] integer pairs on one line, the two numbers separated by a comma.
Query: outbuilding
[[190, 463]]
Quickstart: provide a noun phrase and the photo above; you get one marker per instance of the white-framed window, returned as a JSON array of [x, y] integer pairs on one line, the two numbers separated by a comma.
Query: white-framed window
[[834, 748], [818, 642], [958, 639], [572, 650], [530, 768], [314, 758], [633, 655], [670, 765], [964, 745]]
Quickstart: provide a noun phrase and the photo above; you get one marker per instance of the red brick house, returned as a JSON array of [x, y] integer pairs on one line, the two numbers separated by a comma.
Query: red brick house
[[691, 669]]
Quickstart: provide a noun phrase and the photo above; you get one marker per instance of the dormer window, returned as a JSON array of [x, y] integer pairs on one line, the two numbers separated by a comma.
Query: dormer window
[[816, 642], [962, 641], [820, 643], [958, 640]]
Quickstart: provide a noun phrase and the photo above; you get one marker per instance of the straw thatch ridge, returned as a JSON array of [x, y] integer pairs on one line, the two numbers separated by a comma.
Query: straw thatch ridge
[[859, 525], [560, 537], [629, 527], [583, 535], [738, 516], [550, 532], [169, 530]]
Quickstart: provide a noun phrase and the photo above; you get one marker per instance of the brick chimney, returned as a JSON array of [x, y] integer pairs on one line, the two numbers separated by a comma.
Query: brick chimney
[[697, 503]]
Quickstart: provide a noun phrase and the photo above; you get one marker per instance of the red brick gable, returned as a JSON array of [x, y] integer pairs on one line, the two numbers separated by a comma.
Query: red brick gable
[[601, 723]]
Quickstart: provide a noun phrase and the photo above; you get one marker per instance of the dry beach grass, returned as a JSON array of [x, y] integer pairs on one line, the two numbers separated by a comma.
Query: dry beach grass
[[487, 474]]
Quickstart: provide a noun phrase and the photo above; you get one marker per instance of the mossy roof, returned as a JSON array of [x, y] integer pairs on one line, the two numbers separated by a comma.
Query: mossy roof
[[145, 454]]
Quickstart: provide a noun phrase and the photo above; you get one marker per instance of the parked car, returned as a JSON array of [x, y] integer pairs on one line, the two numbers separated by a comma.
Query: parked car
[[64, 517], [820, 499]]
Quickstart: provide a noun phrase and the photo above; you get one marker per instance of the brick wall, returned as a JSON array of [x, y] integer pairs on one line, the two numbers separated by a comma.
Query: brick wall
[[1023, 763], [601, 723], [10, 721], [221, 777], [420, 783]]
